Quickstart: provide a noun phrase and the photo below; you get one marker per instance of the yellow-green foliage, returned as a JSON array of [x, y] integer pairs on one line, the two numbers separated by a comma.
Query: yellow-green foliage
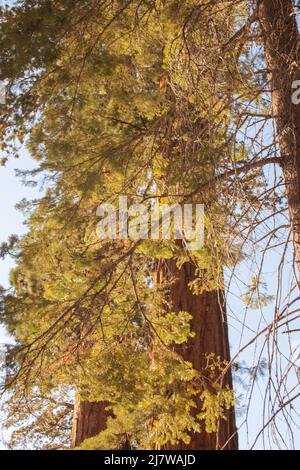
[[111, 101], [214, 407]]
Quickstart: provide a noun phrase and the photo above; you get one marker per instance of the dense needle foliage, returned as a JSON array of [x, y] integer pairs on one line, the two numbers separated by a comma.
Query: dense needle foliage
[[111, 98]]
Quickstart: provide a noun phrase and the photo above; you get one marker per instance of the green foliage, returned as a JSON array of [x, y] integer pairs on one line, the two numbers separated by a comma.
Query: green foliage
[[111, 102], [256, 296], [160, 416], [37, 420], [214, 405], [8, 248]]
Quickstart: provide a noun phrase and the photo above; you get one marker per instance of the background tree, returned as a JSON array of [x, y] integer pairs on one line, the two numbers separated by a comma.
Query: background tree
[[157, 100]]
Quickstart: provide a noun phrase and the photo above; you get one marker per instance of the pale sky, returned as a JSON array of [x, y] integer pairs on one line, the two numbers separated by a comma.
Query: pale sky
[[12, 191]]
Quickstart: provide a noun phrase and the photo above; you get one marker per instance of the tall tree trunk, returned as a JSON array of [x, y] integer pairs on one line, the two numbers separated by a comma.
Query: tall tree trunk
[[281, 45], [89, 419], [211, 336]]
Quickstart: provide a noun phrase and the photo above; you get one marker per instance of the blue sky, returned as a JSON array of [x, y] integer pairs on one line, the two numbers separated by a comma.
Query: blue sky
[[12, 191]]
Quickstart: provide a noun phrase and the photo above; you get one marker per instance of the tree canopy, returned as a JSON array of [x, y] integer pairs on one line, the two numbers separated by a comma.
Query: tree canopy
[[160, 100]]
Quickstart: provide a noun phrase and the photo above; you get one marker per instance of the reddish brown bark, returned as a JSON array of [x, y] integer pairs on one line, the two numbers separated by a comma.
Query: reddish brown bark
[[89, 420], [281, 45], [211, 336]]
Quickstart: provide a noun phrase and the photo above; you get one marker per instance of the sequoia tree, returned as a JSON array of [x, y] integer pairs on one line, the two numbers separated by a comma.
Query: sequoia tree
[[281, 47], [122, 98]]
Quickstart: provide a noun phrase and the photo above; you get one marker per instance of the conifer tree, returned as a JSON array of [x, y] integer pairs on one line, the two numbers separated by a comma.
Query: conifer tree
[[122, 99], [280, 38]]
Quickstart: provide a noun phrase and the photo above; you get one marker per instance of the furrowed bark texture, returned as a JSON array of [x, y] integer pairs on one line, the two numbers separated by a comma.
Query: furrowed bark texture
[[281, 46], [211, 336], [89, 420]]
